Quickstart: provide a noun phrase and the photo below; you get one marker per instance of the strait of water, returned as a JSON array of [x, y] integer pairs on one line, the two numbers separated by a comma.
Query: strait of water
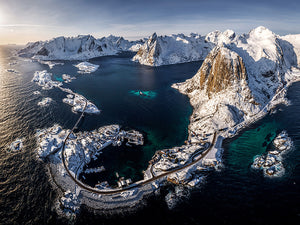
[[235, 195]]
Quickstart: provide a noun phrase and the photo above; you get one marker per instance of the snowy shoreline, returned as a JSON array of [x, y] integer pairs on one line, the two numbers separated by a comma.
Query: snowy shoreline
[[215, 155], [240, 81], [130, 200]]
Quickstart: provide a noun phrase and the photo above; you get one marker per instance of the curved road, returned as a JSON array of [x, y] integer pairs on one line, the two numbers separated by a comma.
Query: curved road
[[131, 186], [174, 170]]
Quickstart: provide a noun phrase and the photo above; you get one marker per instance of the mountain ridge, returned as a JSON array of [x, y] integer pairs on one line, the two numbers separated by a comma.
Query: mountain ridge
[[81, 47]]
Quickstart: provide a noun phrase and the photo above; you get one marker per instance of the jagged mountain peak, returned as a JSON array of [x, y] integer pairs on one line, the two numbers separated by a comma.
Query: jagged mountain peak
[[153, 36], [152, 39]]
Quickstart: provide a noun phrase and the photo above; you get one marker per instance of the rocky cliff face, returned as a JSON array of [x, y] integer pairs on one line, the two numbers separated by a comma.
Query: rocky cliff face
[[81, 47], [220, 70], [219, 92], [153, 49]]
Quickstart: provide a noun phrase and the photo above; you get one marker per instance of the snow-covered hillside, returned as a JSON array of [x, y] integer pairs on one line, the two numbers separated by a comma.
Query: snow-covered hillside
[[165, 50], [238, 79], [81, 47], [295, 41]]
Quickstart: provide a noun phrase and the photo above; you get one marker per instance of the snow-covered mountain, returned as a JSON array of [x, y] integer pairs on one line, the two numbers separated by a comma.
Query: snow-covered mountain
[[81, 47], [238, 78], [165, 50]]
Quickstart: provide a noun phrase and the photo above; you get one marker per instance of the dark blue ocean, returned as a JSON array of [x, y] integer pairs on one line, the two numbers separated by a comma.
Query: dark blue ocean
[[234, 195]]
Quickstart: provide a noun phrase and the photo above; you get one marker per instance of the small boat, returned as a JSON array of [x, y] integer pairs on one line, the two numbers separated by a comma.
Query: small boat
[[141, 93]]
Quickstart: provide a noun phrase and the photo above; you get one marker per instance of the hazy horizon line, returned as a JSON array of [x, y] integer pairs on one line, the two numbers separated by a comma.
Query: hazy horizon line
[[127, 37]]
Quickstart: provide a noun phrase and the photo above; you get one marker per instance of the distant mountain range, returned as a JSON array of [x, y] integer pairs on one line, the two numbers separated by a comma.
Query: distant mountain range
[[82, 47]]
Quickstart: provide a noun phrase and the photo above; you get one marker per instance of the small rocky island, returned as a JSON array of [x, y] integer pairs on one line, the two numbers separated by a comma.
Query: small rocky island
[[79, 103], [44, 79], [67, 78], [271, 162], [45, 102], [17, 145], [86, 67]]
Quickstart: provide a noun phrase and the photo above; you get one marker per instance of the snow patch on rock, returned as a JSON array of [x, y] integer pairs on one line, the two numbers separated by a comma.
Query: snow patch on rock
[[78, 103], [17, 145], [86, 67], [45, 102], [164, 50]]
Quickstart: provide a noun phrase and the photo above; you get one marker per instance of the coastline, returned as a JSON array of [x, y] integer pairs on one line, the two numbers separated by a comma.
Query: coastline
[[130, 200], [215, 155], [187, 174]]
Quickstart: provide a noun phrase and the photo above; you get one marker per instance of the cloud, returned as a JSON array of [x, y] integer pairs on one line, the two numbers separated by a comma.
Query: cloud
[[50, 18]]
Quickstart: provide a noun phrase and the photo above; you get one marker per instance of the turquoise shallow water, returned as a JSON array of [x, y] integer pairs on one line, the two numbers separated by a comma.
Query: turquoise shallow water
[[249, 144], [143, 94], [59, 79]]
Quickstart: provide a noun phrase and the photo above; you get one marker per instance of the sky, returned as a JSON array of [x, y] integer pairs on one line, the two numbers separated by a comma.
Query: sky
[[22, 21]]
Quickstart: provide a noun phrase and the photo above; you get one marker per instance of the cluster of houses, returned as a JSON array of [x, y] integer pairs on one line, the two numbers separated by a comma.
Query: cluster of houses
[[167, 159]]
